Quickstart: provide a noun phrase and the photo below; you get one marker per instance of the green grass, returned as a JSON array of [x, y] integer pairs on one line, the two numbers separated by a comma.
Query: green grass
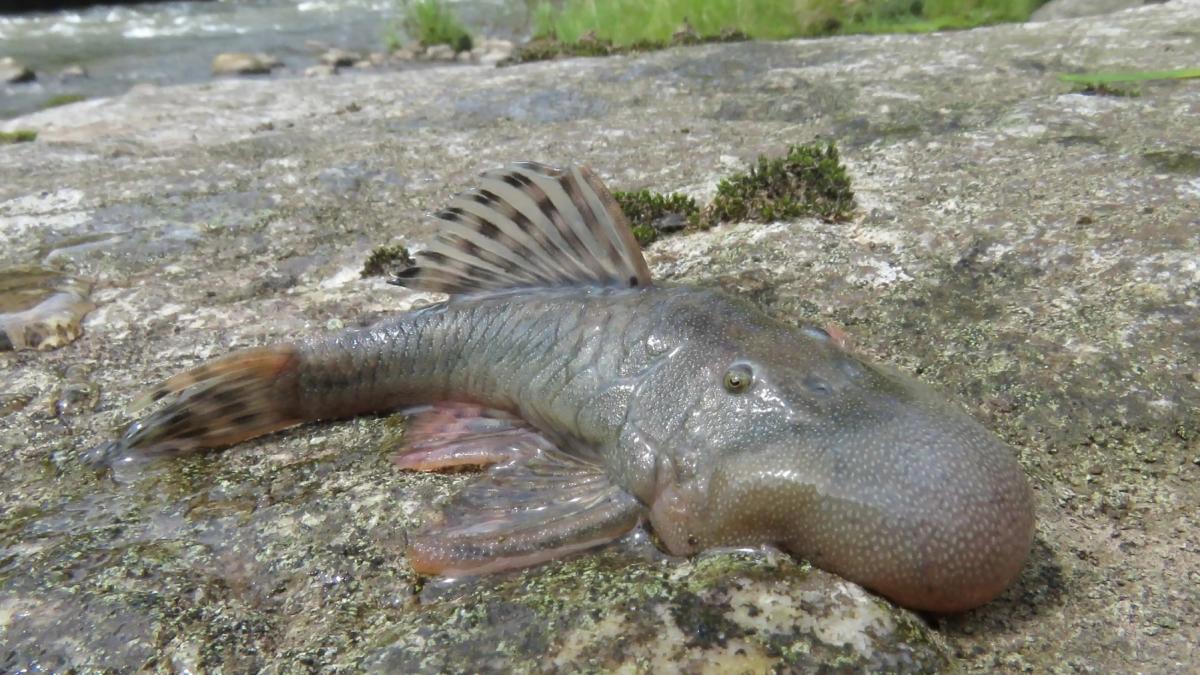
[[18, 136], [922, 16], [628, 22], [63, 99], [1104, 79], [431, 22]]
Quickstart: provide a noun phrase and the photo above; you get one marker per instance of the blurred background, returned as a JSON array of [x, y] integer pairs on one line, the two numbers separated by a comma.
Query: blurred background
[[61, 51]]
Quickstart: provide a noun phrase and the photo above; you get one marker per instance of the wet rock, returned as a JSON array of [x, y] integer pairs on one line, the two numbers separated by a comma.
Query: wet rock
[[403, 55], [242, 63], [14, 72], [439, 53], [722, 612], [340, 58], [73, 72], [490, 51], [78, 394], [320, 70], [41, 308], [11, 402]]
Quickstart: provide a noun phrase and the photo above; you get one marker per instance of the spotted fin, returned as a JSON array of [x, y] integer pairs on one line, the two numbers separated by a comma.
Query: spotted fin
[[530, 225], [534, 503], [219, 403]]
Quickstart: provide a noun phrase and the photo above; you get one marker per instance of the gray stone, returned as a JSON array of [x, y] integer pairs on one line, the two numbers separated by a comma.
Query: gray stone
[[14, 72], [1029, 250], [340, 58], [73, 72], [439, 53], [320, 70], [402, 55], [241, 63]]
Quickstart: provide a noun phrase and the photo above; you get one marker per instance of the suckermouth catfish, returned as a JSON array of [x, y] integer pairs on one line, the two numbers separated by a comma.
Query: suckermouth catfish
[[597, 400]]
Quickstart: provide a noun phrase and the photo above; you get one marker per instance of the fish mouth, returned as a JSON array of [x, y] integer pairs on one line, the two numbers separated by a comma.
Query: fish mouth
[[939, 517], [920, 504]]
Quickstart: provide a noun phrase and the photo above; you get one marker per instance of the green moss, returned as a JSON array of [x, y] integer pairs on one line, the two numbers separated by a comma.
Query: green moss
[[63, 99], [386, 260], [18, 136], [1101, 89], [653, 214], [548, 47], [431, 22], [809, 181]]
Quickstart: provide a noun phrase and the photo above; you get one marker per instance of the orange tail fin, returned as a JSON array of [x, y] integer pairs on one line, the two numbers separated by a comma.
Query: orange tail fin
[[219, 403]]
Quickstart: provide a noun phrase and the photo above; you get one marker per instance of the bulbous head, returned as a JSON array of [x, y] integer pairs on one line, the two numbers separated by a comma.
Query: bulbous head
[[790, 440]]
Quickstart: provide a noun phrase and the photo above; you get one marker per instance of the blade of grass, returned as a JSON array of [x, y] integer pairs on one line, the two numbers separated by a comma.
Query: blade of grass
[[1131, 76]]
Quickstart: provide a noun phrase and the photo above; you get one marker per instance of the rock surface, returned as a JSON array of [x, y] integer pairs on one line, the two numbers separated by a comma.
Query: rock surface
[[14, 72], [1028, 249], [240, 63], [340, 58]]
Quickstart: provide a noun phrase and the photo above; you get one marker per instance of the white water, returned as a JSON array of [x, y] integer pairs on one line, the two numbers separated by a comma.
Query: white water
[[174, 42]]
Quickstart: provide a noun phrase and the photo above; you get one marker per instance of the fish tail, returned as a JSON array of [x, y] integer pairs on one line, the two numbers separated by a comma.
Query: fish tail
[[219, 403]]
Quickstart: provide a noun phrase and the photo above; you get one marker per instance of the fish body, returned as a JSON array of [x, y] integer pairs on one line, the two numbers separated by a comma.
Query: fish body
[[599, 400]]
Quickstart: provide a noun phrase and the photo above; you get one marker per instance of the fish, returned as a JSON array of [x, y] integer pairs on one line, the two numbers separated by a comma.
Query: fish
[[592, 400]]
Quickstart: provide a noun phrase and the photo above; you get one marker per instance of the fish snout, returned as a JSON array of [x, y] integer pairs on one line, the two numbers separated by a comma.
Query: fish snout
[[926, 507], [915, 501]]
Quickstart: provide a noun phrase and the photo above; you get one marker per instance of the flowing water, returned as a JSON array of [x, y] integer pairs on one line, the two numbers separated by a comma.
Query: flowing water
[[175, 42]]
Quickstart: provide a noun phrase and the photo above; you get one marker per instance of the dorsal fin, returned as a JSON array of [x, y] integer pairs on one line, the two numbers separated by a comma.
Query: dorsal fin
[[529, 225]]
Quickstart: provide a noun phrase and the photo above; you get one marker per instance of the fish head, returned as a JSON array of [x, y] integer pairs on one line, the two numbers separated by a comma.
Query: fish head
[[853, 466]]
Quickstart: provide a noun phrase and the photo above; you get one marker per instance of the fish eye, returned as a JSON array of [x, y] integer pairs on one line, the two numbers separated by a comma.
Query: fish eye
[[738, 378]]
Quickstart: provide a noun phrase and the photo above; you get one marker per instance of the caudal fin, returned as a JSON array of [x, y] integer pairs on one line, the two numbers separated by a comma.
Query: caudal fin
[[219, 403]]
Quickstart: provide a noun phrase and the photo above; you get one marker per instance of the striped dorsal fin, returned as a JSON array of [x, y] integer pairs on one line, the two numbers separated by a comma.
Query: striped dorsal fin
[[530, 225]]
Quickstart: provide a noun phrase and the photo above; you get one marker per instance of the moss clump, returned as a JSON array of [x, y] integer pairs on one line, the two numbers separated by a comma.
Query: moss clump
[[18, 136], [387, 260], [809, 181], [1101, 89], [63, 99], [548, 47], [653, 214]]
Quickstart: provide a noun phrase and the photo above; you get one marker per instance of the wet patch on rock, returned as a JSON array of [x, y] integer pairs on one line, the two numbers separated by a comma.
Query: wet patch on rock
[[41, 308], [731, 611]]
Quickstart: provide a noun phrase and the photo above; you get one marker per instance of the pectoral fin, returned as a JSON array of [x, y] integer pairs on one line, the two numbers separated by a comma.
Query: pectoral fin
[[534, 503]]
